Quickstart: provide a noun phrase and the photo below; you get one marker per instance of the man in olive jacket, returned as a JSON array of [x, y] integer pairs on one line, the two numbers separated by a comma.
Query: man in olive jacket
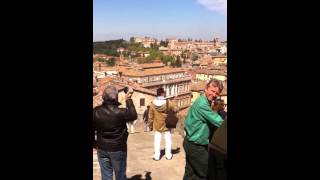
[[197, 131], [109, 123], [157, 116]]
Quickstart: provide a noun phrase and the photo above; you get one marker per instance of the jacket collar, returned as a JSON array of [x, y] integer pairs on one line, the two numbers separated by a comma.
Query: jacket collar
[[115, 103]]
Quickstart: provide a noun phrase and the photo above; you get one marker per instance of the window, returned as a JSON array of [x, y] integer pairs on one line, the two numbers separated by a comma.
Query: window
[[142, 103]]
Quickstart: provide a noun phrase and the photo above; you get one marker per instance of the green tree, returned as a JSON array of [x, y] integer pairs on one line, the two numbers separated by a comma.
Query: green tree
[[132, 40], [143, 60], [184, 56], [194, 57], [162, 43], [111, 52], [178, 62], [154, 46], [109, 47], [165, 59], [111, 62], [100, 59]]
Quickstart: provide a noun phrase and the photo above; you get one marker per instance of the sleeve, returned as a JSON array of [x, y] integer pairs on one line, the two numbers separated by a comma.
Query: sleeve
[[150, 118], [211, 116], [130, 113]]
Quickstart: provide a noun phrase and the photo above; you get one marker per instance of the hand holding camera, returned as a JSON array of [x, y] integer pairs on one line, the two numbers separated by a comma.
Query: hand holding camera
[[129, 92]]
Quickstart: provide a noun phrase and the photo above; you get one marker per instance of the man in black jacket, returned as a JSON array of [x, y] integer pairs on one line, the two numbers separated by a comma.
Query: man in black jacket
[[218, 145], [109, 124], [217, 164]]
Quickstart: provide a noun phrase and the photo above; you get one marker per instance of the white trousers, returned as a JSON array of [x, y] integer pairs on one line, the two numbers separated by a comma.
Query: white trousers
[[157, 143], [130, 126]]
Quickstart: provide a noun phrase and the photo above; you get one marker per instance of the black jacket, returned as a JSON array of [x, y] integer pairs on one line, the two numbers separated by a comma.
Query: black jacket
[[223, 114], [109, 122], [219, 139]]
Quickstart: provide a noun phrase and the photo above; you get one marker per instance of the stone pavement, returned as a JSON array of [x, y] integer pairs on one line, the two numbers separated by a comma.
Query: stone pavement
[[140, 164]]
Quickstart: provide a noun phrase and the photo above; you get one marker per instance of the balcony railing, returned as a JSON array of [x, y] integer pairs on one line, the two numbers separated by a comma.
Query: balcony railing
[[169, 81]]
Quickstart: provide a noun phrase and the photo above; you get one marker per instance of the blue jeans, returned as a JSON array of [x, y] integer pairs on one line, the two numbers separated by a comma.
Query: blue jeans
[[110, 161]]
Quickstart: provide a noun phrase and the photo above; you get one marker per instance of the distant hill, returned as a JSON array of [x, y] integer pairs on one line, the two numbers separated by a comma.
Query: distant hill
[[109, 47]]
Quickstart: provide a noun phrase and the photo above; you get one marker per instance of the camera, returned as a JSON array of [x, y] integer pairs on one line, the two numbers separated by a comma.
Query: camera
[[126, 89]]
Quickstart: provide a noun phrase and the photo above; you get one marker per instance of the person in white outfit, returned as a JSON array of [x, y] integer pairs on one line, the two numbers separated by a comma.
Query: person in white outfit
[[156, 121], [130, 126]]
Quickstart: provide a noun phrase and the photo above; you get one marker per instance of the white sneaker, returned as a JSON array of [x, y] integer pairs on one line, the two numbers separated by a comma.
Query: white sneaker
[[155, 159], [169, 157]]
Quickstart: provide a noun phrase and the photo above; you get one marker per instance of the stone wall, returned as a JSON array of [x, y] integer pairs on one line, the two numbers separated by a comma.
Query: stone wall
[[136, 101]]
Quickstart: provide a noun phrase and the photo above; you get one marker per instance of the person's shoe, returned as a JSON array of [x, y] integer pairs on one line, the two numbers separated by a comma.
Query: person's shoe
[[155, 159], [170, 157]]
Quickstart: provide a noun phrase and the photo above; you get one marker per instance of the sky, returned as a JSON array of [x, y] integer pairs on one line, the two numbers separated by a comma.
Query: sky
[[196, 19]]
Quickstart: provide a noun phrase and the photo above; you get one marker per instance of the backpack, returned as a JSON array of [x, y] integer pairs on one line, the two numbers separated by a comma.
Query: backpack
[[172, 118]]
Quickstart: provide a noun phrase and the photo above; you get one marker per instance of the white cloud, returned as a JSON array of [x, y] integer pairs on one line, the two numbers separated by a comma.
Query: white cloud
[[215, 5]]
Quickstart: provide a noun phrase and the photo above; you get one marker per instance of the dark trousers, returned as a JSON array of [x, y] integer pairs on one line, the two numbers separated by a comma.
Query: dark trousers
[[217, 165], [196, 161]]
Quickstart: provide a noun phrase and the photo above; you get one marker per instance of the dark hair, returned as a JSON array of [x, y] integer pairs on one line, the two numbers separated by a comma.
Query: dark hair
[[218, 101], [215, 83], [160, 91]]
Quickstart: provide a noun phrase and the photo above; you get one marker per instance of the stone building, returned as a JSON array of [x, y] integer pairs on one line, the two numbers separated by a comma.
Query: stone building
[[175, 81]]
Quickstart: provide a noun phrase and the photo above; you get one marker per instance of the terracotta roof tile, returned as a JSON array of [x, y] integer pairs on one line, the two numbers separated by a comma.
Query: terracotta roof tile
[[156, 71], [150, 65], [213, 72], [198, 86]]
